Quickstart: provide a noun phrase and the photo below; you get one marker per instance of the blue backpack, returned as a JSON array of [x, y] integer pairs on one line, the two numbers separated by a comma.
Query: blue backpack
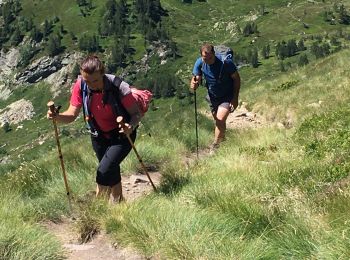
[[223, 53]]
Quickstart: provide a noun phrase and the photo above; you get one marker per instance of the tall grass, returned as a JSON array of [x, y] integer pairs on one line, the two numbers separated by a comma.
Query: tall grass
[[267, 193], [20, 236]]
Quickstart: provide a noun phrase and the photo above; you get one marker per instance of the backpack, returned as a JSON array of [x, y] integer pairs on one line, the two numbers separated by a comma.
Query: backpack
[[111, 96], [143, 99], [224, 53]]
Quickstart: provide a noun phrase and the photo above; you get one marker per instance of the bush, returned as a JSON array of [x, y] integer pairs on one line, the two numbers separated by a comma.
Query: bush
[[6, 127]]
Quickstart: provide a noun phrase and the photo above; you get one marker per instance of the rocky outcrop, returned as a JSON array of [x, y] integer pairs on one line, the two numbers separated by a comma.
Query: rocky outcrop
[[62, 77], [9, 61], [5, 91], [40, 69], [17, 112], [53, 70]]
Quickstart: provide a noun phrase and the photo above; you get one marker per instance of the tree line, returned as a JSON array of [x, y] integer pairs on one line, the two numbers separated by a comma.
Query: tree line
[[318, 47]]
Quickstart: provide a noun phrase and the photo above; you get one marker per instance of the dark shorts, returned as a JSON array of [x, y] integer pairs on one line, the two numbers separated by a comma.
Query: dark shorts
[[214, 102], [110, 153]]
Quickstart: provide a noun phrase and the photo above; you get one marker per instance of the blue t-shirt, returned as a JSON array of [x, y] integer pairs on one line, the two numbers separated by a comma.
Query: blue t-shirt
[[217, 86]]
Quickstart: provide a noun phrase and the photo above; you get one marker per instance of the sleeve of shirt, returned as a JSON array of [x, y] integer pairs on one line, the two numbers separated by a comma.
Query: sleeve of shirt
[[197, 68], [76, 98], [124, 87]]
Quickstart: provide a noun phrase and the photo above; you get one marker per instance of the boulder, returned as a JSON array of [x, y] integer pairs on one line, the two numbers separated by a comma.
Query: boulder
[[17, 112]]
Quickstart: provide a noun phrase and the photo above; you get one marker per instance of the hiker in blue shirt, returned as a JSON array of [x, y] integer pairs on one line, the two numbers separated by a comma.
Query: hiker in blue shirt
[[223, 83]]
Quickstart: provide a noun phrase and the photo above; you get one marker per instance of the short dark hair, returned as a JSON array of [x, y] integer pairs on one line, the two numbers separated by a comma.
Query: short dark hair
[[206, 48], [91, 64]]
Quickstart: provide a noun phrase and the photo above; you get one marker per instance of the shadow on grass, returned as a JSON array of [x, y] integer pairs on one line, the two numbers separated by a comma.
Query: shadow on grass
[[173, 183]]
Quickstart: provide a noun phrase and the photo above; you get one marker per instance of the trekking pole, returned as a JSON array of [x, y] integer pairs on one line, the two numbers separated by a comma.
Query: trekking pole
[[196, 119], [120, 121], [54, 110]]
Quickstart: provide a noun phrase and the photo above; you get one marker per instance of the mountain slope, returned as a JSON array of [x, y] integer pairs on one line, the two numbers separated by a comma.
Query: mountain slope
[[279, 191]]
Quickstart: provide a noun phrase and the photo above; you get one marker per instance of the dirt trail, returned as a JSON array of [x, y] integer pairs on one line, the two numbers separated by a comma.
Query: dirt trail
[[101, 247], [241, 118]]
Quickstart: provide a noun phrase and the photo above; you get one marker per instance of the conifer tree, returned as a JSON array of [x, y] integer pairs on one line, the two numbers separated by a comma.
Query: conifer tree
[[47, 28], [75, 71], [301, 45], [247, 30], [26, 52], [292, 48], [265, 52], [254, 61], [303, 60], [54, 45], [36, 34], [16, 36]]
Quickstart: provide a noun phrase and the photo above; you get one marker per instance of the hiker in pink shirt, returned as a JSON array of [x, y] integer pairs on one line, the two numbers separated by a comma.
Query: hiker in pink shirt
[[103, 98]]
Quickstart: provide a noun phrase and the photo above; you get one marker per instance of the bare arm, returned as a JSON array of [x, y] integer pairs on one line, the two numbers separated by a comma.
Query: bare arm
[[67, 116], [236, 87]]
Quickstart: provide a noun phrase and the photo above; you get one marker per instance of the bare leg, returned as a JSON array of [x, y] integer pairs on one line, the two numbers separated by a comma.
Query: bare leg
[[220, 124], [103, 191], [116, 193]]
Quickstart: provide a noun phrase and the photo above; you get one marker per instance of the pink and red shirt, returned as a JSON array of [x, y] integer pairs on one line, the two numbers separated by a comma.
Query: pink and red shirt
[[103, 114]]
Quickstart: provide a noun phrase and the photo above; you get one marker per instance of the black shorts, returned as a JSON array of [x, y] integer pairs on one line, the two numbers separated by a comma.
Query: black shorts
[[215, 102], [110, 153]]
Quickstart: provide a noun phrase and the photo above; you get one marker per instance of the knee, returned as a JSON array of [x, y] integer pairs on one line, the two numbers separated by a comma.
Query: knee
[[108, 177], [220, 123]]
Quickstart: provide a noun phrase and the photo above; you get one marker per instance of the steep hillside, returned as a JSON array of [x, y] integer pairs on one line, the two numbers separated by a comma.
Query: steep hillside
[[250, 27], [280, 190]]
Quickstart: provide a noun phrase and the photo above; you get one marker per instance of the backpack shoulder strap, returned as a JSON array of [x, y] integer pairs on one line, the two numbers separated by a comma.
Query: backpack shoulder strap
[[112, 95], [86, 97]]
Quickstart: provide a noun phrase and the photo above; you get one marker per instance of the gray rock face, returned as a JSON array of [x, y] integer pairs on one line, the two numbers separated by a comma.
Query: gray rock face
[[8, 61], [17, 112], [40, 69], [60, 79]]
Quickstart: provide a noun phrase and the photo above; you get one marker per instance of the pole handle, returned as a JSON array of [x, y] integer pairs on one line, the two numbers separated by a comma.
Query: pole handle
[[120, 121], [51, 106], [54, 110]]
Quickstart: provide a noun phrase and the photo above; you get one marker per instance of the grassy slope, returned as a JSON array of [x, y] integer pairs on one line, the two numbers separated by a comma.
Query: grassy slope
[[190, 25], [248, 208], [268, 193]]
